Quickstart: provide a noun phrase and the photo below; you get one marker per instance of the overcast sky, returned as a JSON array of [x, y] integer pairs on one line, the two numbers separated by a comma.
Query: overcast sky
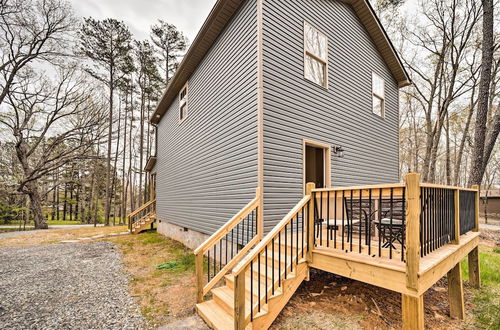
[[139, 15]]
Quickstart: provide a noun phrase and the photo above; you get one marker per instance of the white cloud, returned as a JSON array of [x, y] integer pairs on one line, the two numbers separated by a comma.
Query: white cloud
[[187, 15]]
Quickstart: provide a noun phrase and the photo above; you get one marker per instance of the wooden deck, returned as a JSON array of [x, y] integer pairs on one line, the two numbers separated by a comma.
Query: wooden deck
[[391, 273], [436, 228]]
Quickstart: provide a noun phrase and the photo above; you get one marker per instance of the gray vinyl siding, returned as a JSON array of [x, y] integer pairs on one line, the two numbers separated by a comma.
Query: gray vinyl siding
[[295, 108], [207, 166]]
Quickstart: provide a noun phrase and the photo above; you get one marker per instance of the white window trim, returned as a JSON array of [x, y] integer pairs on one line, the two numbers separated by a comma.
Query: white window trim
[[306, 53], [186, 87], [380, 97]]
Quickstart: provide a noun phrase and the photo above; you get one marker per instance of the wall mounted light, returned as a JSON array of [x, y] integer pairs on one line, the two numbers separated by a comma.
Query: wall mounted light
[[338, 151]]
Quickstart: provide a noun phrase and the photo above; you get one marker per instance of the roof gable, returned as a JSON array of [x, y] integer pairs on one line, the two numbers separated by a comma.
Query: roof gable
[[221, 14]]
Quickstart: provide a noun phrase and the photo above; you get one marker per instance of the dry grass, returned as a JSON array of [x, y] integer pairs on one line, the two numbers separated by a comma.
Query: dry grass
[[55, 236], [165, 295]]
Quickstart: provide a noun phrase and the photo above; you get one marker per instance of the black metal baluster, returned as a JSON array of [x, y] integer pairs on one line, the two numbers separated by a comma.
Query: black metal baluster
[[360, 219], [429, 219], [208, 261], [267, 257], [226, 247], [215, 259], [286, 249], [243, 232], [302, 227], [248, 228], [328, 219], [379, 222], [434, 219], [350, 222], [423, 222], [237, 238], [253, 233], [403, 224], [272, 270], [390, 225], [440, 218], [320, 222], [220, 255], [258, 282], [343, 211], [369, 228], [296, 238], [279, 259], [251, 290], [291, 245], [232, 243], [335, 228]]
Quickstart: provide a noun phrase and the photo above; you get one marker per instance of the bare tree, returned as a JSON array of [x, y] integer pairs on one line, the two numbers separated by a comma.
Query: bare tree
[[30, 31], [51, 125]]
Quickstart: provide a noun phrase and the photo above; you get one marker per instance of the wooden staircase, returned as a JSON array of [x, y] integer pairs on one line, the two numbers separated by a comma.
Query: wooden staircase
[[144, 223], [260, 279], [143, 217], [218, 312]]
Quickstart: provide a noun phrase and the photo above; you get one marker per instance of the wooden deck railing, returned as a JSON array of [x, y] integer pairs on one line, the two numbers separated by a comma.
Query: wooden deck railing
[[228, 245], [288, 241], [403, 221], [143, 210]]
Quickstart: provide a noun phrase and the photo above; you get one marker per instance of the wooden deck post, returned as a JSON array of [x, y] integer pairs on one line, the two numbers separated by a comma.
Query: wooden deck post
[[199, 277], [310, 221], [412, 230], [456, 292], [260, 213], [474, 271], [413, 312], [239, 301], [457, 216]]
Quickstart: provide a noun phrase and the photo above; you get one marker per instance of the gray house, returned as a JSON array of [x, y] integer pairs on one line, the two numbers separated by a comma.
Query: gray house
[[273, 94]]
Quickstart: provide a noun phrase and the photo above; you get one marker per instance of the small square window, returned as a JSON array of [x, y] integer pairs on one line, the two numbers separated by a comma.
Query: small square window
[[315, 55], [378, 95], [183, 104]]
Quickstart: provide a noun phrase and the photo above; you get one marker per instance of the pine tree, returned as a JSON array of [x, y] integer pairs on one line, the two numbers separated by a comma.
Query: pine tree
[[171, 44], [108, 44]]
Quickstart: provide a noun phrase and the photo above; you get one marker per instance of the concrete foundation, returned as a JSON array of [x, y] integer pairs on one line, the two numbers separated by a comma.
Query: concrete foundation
[[190, 238]]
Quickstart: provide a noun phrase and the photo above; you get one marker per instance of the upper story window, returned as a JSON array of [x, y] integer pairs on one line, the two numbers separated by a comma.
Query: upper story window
[[315, 55], [378, 95], [183, 104]]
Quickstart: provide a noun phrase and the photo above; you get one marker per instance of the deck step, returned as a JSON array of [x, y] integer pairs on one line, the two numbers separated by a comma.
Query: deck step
[[224, 296], [215, 316]]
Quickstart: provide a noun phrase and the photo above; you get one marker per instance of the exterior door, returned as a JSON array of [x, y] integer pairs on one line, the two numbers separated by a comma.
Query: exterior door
[[315, 166]]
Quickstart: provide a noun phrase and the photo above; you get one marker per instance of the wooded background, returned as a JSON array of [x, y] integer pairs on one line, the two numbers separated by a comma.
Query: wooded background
[[76, 95]]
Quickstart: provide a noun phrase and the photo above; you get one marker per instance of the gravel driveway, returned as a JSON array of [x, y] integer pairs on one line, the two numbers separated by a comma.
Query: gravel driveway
[[65, 286]]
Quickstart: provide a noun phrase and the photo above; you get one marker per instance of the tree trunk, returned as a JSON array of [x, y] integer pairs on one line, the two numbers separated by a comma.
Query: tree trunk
[[65, 203], [141, 148], [110, 135], [478, 158], [36, 205]]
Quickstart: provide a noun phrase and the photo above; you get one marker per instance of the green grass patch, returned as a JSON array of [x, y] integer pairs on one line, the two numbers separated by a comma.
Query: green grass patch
[[183, 262], [150, 237], [487, 298], [489, 267]]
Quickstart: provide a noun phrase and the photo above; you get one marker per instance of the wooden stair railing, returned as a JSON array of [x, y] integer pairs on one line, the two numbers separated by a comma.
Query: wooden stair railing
[[265, 279], [282, 252], [147, 209], [225, 248]]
